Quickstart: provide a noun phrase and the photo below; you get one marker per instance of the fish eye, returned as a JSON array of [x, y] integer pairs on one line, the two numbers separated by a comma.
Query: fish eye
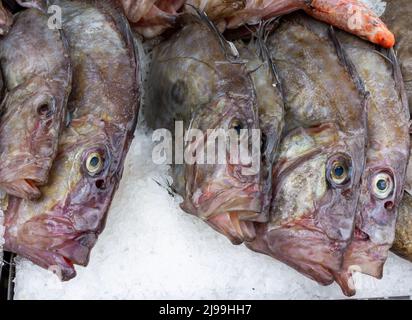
[[178, 92], [339, 171], [382, 185], [237, 125], [45, 109], [94, 163]]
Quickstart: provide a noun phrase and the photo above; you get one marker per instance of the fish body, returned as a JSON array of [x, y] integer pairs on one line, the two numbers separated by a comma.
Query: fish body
[[208, 88], [397, 17], [317, 175], [61, 228], [37, 75], [270, 101], [387, 157], [402, 245]]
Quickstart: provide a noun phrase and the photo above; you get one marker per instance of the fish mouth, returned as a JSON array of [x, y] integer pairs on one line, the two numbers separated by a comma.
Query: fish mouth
[[229, 211], [237, 231], [24, 180], [363, 256], [59, 259], [309, 252], [211, 201]]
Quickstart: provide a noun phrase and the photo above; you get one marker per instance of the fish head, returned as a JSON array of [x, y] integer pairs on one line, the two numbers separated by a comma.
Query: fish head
[[380, 197], [313, 207], [30, 129], [227, 182], [210, 91], [60, 229]]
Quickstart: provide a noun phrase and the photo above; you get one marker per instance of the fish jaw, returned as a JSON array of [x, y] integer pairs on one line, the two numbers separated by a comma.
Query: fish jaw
[[63, 236], [29, 160], [311, 218], [308, 251], [235, 230], [354, 17], [60, 229], [225, 204], [52, 243], [362, 256]]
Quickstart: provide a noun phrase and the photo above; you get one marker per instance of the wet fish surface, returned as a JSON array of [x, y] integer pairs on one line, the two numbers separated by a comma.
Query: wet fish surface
[[317, 175], [397, 15], [37, 75], [271, 109], [402, 245], [153, 17], [61, 228], [208, 88], [387, 157]]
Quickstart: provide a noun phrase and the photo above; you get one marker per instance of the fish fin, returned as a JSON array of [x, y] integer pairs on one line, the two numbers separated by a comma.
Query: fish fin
[[230, 50], [168, 187], [357, 79], [262, 35], [345, 60], [397, 75], [35, 4]]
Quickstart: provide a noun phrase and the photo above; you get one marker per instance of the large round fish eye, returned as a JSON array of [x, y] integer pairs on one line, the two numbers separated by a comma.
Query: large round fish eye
[[94, 163], [382, 185], [339, 170]]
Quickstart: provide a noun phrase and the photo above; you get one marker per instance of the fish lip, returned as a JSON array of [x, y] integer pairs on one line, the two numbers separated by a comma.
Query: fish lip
[[364, 256], [60, 259], [229, 211], [246, 203], [233, 228], [23, 180], [309, 251], [62, 266]]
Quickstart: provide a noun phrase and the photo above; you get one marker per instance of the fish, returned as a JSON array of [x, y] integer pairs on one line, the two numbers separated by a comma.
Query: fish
[[6, 20], [37, 77], [59, 230], [402, 245], [350, 15], [271, 108], [397, 16], [387, 157], [207, 88], [322, 153]]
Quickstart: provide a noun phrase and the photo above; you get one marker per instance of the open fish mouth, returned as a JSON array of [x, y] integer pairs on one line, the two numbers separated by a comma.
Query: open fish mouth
[[23, 180], [228, 211], [60, 257], [237, 231]]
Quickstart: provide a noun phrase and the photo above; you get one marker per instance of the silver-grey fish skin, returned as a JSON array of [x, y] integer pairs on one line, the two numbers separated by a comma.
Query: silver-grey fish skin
[[387, 157], [317, 176], [397, 16], [60, 229], [37, 75], [271, 108], [207, 87]]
